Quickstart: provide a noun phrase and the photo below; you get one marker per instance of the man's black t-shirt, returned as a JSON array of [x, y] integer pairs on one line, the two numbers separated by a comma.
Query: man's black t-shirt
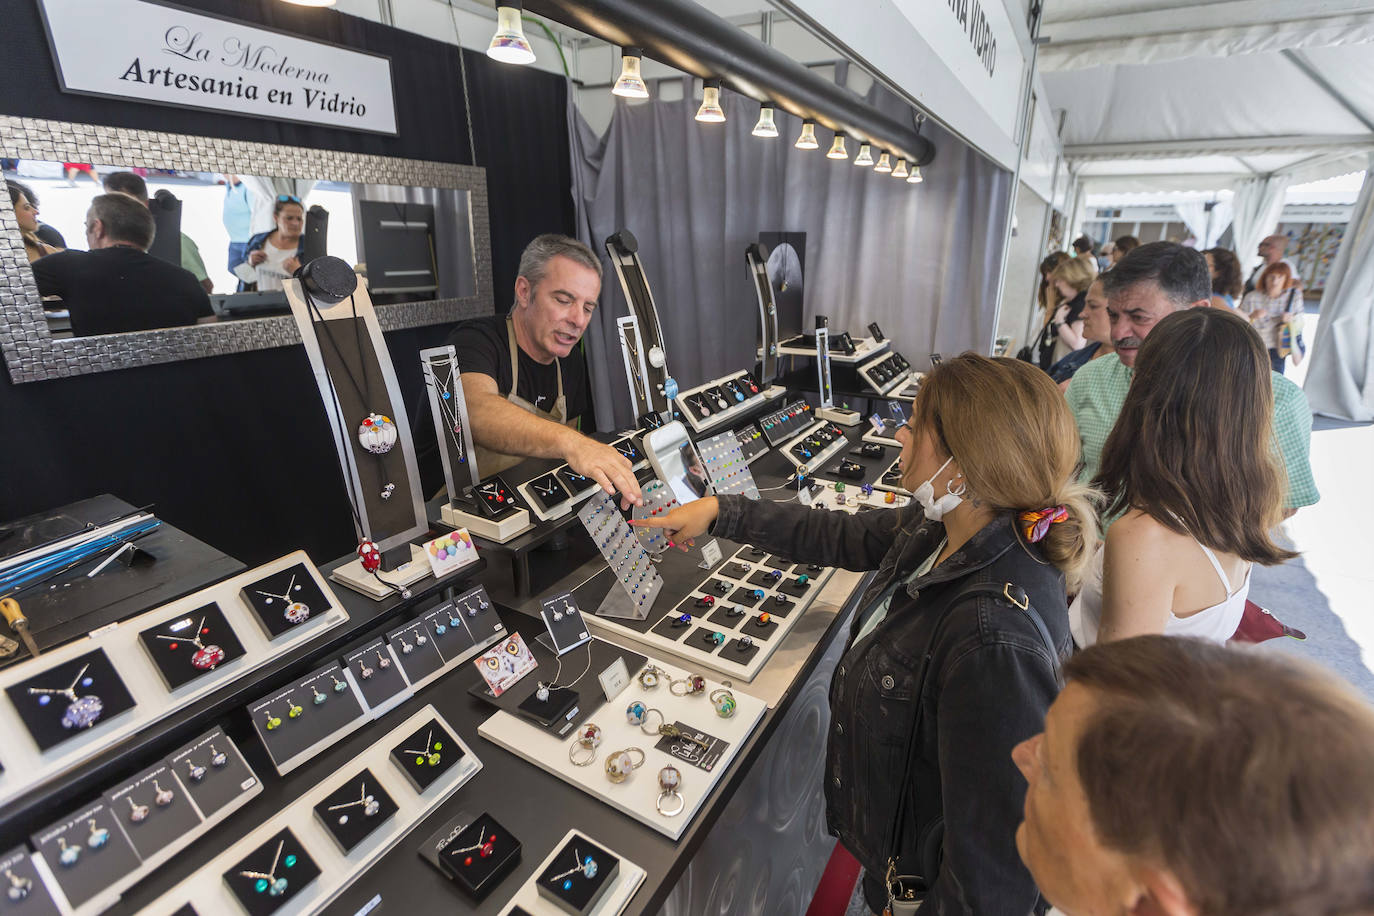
[[482, 346], [111, 290]]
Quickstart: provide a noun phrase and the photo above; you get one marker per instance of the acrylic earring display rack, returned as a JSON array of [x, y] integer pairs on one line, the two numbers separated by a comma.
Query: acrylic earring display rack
[[371, 431]]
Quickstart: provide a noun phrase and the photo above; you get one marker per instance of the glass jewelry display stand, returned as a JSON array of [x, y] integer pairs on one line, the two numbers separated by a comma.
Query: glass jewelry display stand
[[757, 260], [637, 372], [367, 417], [454, 433], [623, 249]]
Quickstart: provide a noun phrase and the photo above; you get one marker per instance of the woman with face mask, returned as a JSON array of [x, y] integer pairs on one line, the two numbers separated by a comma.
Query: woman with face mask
[[953, 649]]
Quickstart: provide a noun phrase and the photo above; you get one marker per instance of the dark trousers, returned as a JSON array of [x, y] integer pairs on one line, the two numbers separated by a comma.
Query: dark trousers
[[1276, 361]]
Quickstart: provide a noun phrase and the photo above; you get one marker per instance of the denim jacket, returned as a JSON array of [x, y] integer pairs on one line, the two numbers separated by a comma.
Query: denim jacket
[[989, 684]]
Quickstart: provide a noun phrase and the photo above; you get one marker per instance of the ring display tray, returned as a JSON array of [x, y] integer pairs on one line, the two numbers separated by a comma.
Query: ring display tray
[[26, 765], [886, 373], [891, 478], [205, 890], [637, 796], [701, 406], [612, 902]]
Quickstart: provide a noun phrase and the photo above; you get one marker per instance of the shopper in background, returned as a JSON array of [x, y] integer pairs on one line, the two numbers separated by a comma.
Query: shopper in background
[[1191, 477], [1271, 249], [1224, 268], [26, 215], [237, 216], [1275, 303], [993, 439], [1048, 297], [1178, 777], [1083, 251], [1097, 332], [1071, 280], [1122, 247], [136, 187], [1104, 257], [1151, 282], [277, 252]]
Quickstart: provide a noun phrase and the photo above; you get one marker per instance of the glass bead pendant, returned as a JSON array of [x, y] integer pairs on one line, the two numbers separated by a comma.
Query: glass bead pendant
[[377, 434]]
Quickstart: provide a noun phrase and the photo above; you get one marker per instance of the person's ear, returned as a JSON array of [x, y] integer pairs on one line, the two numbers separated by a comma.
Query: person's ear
[[1162, 894], [522, 292]]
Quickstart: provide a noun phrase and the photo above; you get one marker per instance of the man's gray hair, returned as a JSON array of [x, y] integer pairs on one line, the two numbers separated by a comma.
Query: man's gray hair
[[535, 259], [125, 219]]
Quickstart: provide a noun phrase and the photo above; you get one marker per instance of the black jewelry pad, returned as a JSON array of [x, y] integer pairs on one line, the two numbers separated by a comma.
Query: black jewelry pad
[[222, 784], [547, 501], [717, 588], [576, 893], [95, 869], [384, 683], [736, 570], [426, 737], [44, 721], [628, 448], [722, 616], [270, 611], [470, 870], [670, 628], [793, 588], [423, 659], [759, 631], [38, 901], [172, 657], [736, 651], [316, 722], [745, 597], [776, 609], [358, 825], [298, 875], [496, 500], [161, 826], [561, 703], [762, 579], [701, 639], [576, 483], [777, 562]]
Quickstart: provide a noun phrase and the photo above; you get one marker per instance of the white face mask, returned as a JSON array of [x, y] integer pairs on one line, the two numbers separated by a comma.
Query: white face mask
[[937, 508]]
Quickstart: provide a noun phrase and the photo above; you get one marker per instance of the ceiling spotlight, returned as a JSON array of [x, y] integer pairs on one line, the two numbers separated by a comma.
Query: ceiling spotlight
[[865, 156], [807, 138], [837, 150], [884, 163], [766, 127], [710, 110], [630, 84], [312, 2], [508, 45], [900, 170], [915, 176]]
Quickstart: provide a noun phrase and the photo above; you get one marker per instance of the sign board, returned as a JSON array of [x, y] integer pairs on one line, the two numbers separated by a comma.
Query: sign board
[[168, 55]]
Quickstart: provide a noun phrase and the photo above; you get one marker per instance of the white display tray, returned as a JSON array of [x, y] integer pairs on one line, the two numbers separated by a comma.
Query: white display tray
[[827, 498], [26, 765], [616, 898], [886, 486], [636, 796], [662, 645], [821, 458], [865, 348], [891, 384], [716, 417], [205, 888]]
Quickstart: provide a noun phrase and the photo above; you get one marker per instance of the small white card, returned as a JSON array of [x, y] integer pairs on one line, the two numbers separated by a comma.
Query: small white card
[[710, 554], [614, 679], [449, 552]]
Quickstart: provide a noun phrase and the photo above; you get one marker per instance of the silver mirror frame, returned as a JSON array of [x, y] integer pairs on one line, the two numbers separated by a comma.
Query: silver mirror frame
[[32, 354]]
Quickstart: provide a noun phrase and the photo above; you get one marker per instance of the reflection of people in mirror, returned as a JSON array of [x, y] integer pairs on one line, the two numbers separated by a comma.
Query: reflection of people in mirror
[[72, 169], [117, 286], [26, 214], [132, 184], [276, 253], [237, 216]]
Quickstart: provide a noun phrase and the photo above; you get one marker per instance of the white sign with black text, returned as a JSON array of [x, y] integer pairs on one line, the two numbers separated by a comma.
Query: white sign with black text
[[150, 52]]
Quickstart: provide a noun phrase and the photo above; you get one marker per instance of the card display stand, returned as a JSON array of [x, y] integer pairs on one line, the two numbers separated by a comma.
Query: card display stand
[[475, 853], [638, 580], [733, 616], [785, 423], [190, 645], [751, 442], [886, 373], [707, 406], [351, 812], [131, 661], [726, 466], [22, 877], [615, 893], [865, 348], [637, 795], [298, 721], [546, 496], [502, 529], [207, 892]]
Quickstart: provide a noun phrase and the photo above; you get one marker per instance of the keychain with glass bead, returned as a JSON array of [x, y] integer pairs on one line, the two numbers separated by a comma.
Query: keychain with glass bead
[[81, 712], [296, 611], [205, 657]]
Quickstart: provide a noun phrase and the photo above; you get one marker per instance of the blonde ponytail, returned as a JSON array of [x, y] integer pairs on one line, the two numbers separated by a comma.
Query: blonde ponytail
[[1070, 544]]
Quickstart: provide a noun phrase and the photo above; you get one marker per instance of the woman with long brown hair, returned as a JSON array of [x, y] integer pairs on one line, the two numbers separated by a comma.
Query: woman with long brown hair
[[1193, 465], [952, 655]]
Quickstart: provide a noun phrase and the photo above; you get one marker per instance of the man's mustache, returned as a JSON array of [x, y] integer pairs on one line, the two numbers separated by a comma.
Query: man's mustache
[[1129, 343]]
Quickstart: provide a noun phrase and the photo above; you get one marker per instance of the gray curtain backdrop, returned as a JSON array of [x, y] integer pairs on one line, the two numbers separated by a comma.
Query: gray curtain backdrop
[[921, 260]]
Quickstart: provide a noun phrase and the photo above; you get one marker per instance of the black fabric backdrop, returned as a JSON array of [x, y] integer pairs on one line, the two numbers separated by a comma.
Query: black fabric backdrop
[[235, 449]]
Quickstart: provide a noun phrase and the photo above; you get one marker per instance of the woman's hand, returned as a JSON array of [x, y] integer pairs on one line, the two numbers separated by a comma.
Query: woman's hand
[[1061, 314], [291, 265], [257, 257], [685, 522]]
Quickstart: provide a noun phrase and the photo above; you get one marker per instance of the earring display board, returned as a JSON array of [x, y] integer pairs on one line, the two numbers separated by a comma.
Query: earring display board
[[26, 889], [88, 854], [751, 443], [733, 634], [638, 795], [121, 657], [615, 893], [719, 400], [206, 890], [658, 500], [639, 582], [298, 721], [563, 619], [154, 808], [726, 466], [378, 676], [886, 373], [413, 647]]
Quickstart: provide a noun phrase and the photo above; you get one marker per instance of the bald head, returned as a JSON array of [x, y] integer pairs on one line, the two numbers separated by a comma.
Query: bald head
[[1272, 247]]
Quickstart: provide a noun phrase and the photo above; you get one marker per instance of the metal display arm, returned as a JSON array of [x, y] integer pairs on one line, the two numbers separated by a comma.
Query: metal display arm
[[757, 258], [623, 249]]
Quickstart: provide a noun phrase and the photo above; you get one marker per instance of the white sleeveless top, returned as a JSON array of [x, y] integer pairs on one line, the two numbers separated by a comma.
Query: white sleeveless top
[[1217, 623]]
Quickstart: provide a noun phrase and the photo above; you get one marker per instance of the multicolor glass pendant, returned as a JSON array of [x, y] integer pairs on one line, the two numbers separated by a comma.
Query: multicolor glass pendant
[[297, 612], [83, 712], [208, 657], [377, 434], [137, 813]]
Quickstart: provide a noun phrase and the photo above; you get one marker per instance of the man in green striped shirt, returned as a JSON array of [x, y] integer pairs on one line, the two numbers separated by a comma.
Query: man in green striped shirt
[[1149, 283]]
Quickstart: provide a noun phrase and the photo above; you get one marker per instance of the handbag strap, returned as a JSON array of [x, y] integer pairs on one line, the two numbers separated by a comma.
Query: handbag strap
[[1008, 593]]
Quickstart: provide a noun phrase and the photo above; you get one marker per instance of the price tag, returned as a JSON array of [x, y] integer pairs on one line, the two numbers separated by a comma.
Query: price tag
[[710, 554], [614, 679]]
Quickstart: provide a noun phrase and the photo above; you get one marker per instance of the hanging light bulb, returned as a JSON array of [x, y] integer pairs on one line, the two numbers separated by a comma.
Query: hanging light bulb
[[915, 176], [508, 45], [630, 84], [884, 163], [900, 170], [837, 150], [710, 110], [312, 2], [766, 127], [865, 156], [807, 138]]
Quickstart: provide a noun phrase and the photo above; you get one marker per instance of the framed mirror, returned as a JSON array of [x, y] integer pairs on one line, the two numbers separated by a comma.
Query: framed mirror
[[84, 288]]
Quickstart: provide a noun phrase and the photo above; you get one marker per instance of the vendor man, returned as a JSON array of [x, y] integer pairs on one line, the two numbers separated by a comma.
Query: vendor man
[[526, 390]]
